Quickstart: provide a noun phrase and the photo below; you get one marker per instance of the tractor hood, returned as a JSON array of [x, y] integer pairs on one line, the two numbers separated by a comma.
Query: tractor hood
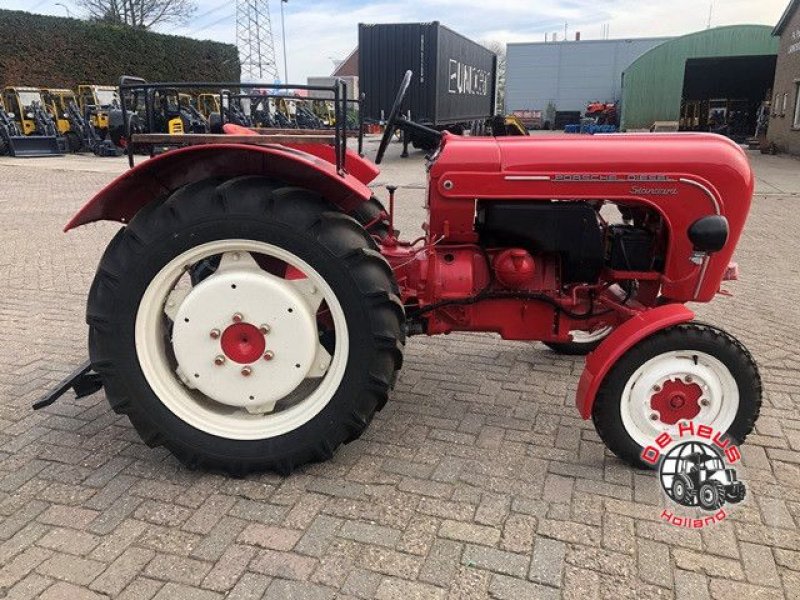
[[602, 158], [685, 177]]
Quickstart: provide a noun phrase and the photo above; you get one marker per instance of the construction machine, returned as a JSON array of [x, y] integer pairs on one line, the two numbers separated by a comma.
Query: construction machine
[[56, 102], [95, 102], [34, 132]]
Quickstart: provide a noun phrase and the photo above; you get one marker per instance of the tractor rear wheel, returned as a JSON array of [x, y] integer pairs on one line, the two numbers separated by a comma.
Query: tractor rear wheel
[[245, 325], [711, 495], [689, 372], [370, 215]]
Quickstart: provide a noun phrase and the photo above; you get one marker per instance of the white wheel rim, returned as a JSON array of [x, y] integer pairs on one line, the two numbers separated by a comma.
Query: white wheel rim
[[589, 337], [233, 416], [718, 401]]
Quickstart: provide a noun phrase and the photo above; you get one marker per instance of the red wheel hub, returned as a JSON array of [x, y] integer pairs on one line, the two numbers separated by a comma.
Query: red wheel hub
[[243, 343], [677, 401]]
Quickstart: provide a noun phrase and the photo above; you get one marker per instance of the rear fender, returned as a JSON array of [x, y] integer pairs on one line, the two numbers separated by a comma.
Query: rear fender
[[622, 339], [161, 175]]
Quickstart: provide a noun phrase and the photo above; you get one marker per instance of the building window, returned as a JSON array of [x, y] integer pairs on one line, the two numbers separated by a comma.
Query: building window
[[797, 105], [785, 104]]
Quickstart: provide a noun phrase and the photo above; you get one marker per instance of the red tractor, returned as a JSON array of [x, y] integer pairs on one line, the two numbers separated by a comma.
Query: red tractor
[[252, 311]]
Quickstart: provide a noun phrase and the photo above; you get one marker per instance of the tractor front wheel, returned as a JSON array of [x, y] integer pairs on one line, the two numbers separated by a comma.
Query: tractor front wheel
[[689, 372], [245, 325]]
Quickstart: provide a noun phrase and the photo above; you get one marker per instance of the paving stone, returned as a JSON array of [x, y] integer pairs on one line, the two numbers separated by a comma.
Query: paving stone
[[122, 571], [580, 584], [369, 533], [654, 563], [759, 565], [498, 561], [397, 589], [63, 590], [361, 583], [70, 541], [180, 569], [712, 566], [250, 586], [229, 568], [547, 562], [70, 568], [281, 589], [178, 591], [509, 588], [442, 562], [267, 536], [465, 532], [723, 589], [283, 564], [391, 562], [141, 588], [29, 588], [318, 536], [691, 585]]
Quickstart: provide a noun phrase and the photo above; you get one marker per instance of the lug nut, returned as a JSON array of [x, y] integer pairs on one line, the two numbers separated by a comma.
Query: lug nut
[[269, 355], [705, 402], [237, 317], [265, 329], [214, 334], [656, 388], [219, 360], [654, 417], [688, 379], [246, 371]]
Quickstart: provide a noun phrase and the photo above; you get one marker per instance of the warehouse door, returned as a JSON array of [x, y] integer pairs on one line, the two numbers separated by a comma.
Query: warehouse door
[[723, 94]]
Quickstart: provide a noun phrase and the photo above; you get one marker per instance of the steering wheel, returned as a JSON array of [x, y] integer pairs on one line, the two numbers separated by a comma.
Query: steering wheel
[[392, 121]]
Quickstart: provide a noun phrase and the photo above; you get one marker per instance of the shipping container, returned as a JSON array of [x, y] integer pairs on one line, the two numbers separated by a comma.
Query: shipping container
[[454, 80]]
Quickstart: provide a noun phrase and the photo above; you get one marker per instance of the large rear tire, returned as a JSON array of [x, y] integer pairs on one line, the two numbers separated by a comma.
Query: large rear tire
[[164, 360], [687, 372]]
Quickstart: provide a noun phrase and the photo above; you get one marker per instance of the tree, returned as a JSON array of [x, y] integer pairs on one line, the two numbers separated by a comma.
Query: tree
[[499, 48], [141, 14]]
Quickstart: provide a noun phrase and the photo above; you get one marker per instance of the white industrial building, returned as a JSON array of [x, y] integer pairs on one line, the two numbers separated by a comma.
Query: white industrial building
[[569, 74]]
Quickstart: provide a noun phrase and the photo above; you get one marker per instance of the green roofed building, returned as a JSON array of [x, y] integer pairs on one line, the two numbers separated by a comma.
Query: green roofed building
[[710, 80]]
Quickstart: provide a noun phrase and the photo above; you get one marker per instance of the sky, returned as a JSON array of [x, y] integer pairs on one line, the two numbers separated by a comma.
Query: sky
[[319, 31]]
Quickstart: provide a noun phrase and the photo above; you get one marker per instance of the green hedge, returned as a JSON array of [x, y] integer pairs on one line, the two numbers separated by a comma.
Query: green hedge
[[42, 51]]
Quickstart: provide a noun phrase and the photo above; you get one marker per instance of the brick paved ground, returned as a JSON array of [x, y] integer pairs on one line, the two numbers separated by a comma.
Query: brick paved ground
[[477, 480]]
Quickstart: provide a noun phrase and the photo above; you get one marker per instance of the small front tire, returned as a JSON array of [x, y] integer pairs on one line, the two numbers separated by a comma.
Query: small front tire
[[683, 373]]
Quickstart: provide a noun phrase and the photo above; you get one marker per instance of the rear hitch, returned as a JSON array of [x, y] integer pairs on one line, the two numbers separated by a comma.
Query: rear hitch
[[83, 381]]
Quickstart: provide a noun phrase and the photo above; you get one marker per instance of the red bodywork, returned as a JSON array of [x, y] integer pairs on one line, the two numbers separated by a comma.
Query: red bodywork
[[450, 282], [310, 167]]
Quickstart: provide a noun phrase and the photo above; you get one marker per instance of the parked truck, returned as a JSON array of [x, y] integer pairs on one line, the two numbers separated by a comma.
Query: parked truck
[[454, 86]]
